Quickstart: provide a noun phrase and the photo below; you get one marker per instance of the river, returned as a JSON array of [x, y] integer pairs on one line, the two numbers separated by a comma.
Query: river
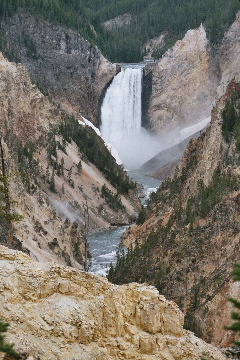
[[103, 245]]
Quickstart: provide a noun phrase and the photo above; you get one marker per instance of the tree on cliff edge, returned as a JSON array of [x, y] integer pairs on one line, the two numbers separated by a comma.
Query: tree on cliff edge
[[235, 315], [4, 347]]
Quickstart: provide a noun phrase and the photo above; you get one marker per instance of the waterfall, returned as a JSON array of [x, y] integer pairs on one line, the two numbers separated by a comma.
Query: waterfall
[[121, 119], [121, 109]]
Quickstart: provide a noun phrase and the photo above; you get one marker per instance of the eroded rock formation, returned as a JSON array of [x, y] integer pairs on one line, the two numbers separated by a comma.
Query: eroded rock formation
[[188, 79], [184, 83], [58, 312]]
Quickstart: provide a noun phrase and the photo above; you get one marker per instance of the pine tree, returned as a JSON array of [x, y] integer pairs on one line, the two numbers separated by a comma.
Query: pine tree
[[6, 202], [236, 303], [4, 347]]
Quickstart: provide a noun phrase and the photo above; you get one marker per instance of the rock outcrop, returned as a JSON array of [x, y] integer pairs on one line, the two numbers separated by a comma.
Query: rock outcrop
[[184, 83], [60, 61], [228, 55], [188, 79], [118, 22], [58, 312]]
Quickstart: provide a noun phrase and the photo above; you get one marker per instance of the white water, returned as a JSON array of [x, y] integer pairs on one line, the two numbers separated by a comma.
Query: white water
[[103, 247], [121, 119], [121, 109]]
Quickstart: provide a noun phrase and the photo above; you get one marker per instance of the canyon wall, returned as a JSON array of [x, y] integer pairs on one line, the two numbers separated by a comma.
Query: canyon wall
[[228, 55], [60, 61], [187, 239], [57, 312], [55, 196], [186, 82]]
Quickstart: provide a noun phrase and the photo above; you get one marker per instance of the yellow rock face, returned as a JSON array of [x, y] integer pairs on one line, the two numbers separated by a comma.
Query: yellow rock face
[[58, 312]]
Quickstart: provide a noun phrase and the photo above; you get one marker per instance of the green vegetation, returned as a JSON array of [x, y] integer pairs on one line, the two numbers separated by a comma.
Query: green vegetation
[[231, 117], [207, 197], [31, 47], [142, 263], [7, 215], [94, 150], [28, 167], [113, 200], [138, 264], [149, 19], [236, 303], [5, 347]]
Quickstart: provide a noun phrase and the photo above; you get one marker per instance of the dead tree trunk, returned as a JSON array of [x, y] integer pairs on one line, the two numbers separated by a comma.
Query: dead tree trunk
[[6, 196], [86, 227]]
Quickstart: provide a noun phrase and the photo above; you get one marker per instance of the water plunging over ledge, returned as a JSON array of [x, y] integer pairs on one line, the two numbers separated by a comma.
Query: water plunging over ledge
[[121, 119]]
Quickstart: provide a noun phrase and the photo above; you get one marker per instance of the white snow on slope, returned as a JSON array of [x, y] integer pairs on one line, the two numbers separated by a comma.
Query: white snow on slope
[[110, 147]]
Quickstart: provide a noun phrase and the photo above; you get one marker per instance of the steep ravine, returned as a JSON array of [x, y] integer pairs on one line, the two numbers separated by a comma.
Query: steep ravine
[[60, 193]]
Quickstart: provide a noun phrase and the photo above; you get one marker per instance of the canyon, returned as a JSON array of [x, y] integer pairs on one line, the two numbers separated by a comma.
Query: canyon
[[59, 194]]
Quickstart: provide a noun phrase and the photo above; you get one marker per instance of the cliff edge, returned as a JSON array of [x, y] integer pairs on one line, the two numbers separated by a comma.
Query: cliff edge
[[59, 312]]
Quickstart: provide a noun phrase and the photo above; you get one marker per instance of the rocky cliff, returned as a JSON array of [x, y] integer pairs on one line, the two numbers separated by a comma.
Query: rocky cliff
[[228, 55], [60, 62], [188, 239], [59, 191], [185, 83], [58, 312]]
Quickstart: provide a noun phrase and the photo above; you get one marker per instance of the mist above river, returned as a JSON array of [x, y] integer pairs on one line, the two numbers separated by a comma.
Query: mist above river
[[121, 122], [135, 150]]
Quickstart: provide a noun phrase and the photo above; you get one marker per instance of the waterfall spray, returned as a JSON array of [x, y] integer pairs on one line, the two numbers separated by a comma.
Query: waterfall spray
[[121, 119]]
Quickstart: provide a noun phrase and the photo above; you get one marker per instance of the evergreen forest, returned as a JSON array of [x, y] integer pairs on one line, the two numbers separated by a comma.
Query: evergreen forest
[[149, 18]]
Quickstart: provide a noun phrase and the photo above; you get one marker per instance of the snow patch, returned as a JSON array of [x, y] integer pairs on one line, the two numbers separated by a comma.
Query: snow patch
[[88, 123], [109, 146], [114, 153]]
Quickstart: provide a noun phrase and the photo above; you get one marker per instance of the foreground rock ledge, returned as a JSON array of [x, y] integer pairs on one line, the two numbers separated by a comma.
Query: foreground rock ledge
[[58, 312]]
